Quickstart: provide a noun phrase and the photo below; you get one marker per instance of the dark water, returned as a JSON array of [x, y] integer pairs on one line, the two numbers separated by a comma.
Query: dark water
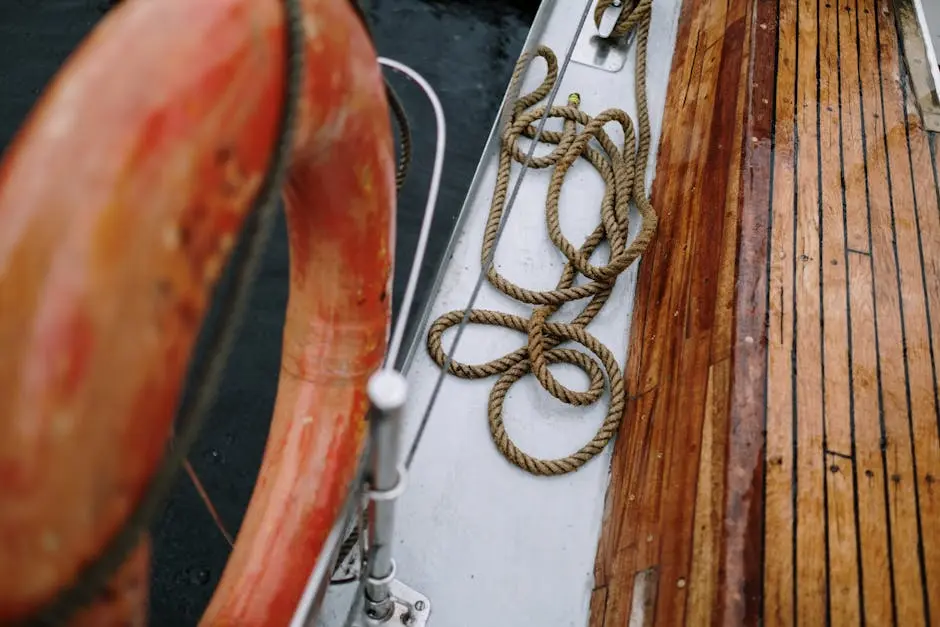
[[466, 50]]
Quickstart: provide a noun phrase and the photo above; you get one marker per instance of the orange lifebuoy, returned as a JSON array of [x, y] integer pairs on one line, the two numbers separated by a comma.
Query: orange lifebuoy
[[119, 203]]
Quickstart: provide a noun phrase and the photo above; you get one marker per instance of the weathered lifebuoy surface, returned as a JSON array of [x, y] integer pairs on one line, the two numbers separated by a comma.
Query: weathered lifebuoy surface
[[120, 201]]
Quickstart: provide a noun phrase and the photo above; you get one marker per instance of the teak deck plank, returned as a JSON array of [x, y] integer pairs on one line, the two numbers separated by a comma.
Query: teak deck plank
[[838, 467], [779, 459], [872, 541]]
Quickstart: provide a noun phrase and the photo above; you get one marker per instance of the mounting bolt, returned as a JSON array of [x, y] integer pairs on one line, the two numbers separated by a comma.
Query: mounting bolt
[[419, 605]]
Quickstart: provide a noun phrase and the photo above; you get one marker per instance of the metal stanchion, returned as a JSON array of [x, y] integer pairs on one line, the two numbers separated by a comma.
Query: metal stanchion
[[388, 391], [385, 601]]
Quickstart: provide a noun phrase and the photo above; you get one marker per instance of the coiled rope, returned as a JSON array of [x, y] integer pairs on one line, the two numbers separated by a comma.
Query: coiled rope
[[623, 170], [634, 14]]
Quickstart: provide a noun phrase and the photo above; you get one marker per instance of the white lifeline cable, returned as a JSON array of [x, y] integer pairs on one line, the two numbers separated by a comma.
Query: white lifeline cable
[[411, 287], [320, 576]]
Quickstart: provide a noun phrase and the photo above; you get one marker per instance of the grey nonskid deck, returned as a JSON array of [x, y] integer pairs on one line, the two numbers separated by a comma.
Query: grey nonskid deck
[[487, 543]]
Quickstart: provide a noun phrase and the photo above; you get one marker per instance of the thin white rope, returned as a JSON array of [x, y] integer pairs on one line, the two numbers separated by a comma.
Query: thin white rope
[[433, 191], [303, 615]]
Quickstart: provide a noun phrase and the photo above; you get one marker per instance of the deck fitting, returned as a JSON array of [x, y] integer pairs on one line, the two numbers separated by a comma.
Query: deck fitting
[[410, 609]]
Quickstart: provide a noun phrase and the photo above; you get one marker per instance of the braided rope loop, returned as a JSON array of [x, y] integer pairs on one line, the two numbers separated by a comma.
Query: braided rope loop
[[622, 169]]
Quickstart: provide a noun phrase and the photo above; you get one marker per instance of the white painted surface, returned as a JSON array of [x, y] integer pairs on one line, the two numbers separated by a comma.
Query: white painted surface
[[928, 13], [930, 9], [491, 545]]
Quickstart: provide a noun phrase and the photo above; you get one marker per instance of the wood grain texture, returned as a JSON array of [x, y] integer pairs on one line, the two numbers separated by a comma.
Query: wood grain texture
[[779, 459], [679, 370]]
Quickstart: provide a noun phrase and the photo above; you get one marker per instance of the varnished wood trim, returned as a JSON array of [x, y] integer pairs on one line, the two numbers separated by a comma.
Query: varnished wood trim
[[689, 272], [779, 459]]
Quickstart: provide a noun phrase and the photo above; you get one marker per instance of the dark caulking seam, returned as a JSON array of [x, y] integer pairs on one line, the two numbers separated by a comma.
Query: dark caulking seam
[[897, 269], [827, 559], [848, 310], [874, 301], [794, 422], [905, 82]]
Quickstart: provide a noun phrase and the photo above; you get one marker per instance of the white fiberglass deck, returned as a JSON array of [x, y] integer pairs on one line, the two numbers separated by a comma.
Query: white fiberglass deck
[[488, 543], [931, 11]]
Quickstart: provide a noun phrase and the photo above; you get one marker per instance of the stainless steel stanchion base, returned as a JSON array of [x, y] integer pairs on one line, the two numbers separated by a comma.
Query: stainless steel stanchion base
[[410, 608]]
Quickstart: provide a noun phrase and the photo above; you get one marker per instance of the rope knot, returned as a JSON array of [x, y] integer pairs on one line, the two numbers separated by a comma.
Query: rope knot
[[632, 14]]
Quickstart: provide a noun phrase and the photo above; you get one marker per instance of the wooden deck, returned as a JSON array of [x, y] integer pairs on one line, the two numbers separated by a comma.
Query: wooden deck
[[780, 457]]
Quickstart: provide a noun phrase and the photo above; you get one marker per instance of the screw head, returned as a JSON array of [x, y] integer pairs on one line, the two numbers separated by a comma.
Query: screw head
[[419, 605]]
